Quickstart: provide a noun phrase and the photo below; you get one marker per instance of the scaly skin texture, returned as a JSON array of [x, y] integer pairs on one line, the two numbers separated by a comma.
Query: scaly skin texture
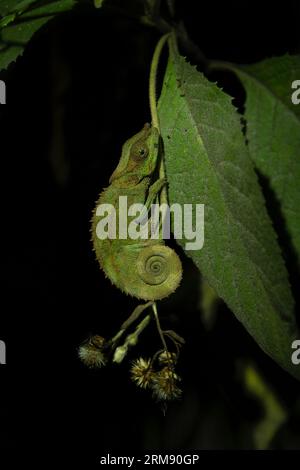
[[146, 269]]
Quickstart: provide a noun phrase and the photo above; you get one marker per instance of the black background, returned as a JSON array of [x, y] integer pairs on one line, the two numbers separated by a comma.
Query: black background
[[76, 94]]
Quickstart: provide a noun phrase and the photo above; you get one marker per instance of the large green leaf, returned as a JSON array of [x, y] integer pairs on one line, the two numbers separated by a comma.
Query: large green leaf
[[15, 36], [273, 132], [207, 162]]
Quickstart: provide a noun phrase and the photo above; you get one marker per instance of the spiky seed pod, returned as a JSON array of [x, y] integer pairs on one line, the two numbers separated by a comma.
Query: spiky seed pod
[[91, 352], [142, 372], [164, 385], [166, 358]]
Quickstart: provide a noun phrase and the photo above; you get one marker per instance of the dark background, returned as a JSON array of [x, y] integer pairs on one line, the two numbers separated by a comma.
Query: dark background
[[76, 94]]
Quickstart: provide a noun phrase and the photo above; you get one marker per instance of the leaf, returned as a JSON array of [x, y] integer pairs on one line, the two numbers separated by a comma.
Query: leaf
[[16, 35], [207, 162], [273, 132], [9, 6], [6, 20]]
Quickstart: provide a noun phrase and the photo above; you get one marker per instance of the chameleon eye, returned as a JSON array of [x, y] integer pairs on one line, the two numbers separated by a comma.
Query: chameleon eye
[[139, 151], [143, 152]]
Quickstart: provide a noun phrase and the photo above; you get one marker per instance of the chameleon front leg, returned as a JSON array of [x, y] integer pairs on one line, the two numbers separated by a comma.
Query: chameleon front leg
[[153, 191]]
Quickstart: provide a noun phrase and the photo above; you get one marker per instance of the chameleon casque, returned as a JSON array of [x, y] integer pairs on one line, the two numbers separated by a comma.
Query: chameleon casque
[[144, 268]]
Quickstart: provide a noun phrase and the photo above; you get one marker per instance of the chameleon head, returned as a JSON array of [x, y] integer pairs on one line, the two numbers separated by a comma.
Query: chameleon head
[[139, 156]]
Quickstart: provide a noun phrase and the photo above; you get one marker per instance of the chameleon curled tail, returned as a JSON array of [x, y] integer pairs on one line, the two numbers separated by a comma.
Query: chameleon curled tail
[[159, 268], [150, 273], [159, 271], [155, 274]]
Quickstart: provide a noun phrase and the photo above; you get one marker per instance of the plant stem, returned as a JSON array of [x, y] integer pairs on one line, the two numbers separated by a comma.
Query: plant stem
[[221, 65], [153, 106], [159, 327], [134, 316], [163, 26], [131, 340], [152, 80]]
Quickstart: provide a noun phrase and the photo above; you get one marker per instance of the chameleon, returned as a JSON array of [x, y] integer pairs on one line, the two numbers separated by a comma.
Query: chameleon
[[143, 268]]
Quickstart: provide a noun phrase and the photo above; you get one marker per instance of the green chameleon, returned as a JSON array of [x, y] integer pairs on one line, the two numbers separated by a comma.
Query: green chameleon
[[143, 268]]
